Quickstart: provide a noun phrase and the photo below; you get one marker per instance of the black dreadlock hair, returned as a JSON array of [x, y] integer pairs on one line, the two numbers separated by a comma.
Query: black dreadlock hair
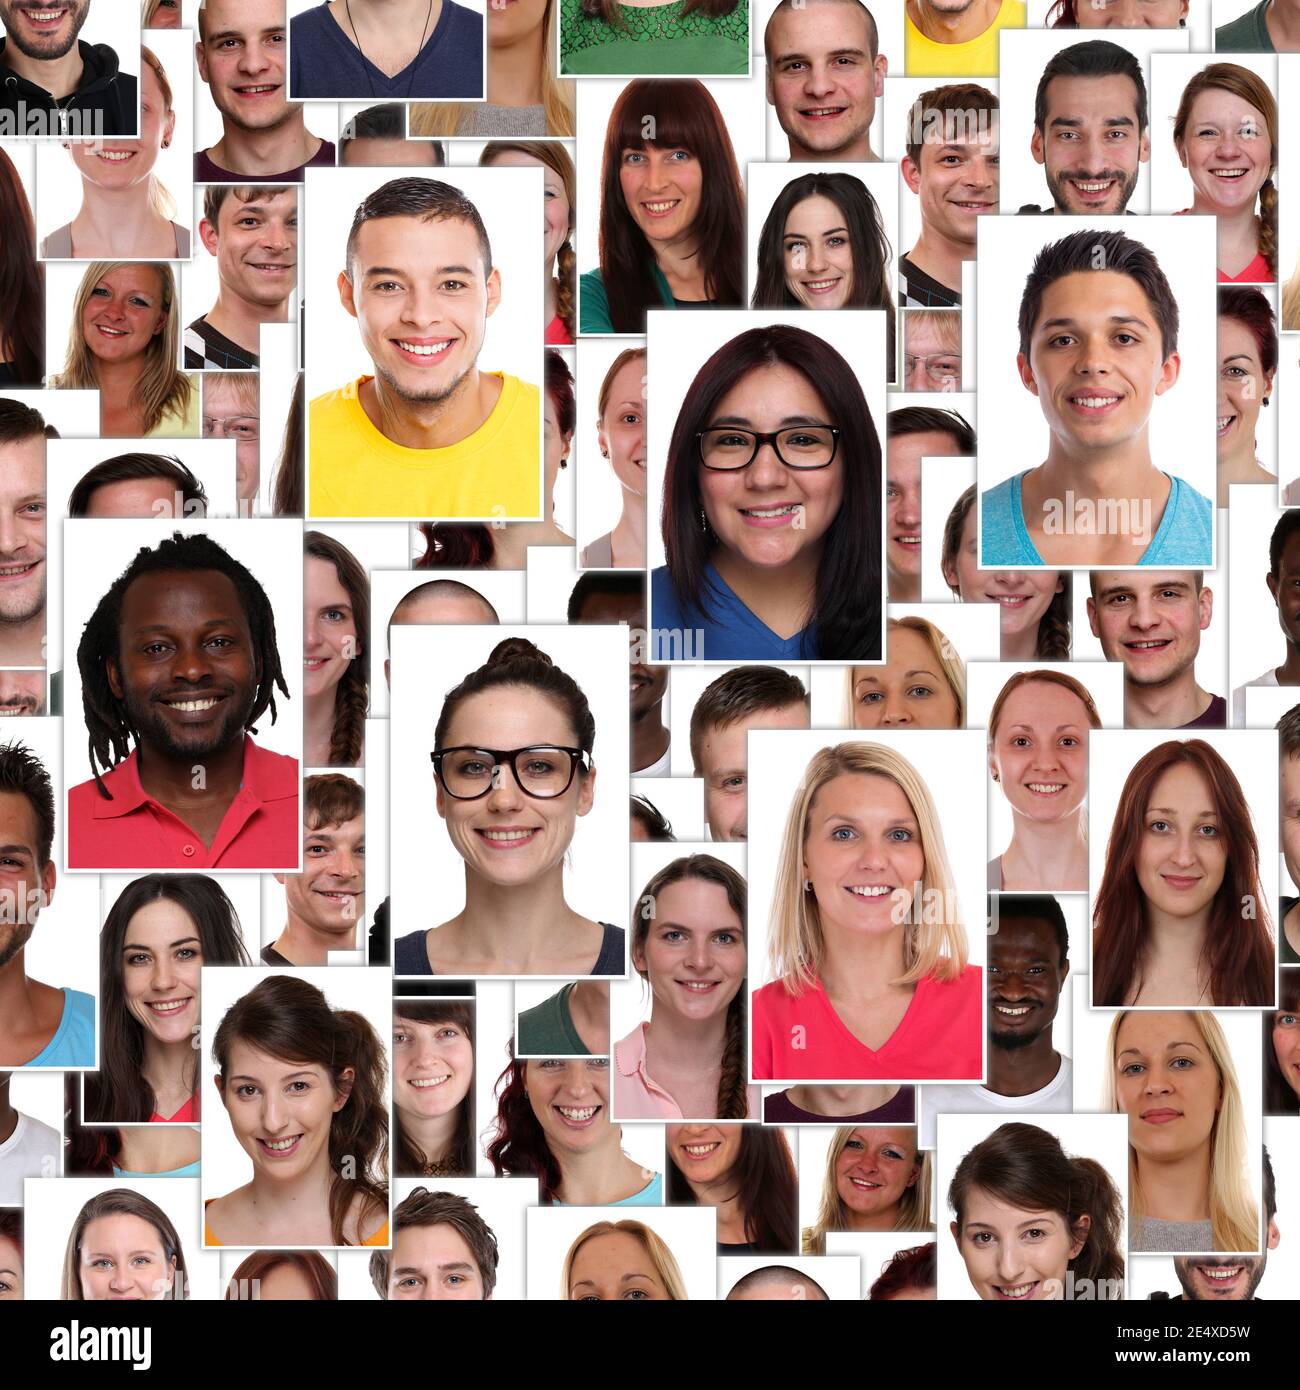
[[105, 713]]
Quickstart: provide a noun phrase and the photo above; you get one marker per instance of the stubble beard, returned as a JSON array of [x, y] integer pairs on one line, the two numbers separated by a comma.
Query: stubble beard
[[44, 52]]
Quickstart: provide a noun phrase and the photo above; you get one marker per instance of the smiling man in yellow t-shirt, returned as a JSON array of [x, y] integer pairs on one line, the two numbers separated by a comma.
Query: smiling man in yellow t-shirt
[[957, 38], [429, 435]]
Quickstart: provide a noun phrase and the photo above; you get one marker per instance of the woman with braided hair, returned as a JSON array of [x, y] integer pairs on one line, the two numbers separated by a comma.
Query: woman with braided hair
[[336, 636]]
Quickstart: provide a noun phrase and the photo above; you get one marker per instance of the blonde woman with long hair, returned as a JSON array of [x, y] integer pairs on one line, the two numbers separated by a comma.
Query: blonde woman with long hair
[[524, 96], [125, 208], [1171, 1073], [868, 955], [922, 684], [876, 1180], [123, 343], [621, 1260]]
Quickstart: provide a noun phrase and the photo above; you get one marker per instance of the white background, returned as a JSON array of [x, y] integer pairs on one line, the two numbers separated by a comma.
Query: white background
[[874, 1250], [1256, 642], [681, 800]]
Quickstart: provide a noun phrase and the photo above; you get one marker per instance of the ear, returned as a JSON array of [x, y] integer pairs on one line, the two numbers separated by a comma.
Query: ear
[[568, 448], [1206, 606], [388, 673], [1274, 1235], [1036, 147], [439, 800], [1092, 616], [1271, 581], [882, 72], [916, 1173], [343, 1088], [208, 236], [956, 1234], [1144, 149], [113, 677], [161, 324], [279, 878], [602, 441], [1169, 373], [1026, 374], [346, 294], [638, 957], [911, 173], [771, 97], [1080, 1231], [170, 129], [216, 1081], [1182, 158], [201, 58], [493, 291], [950, 575], [587, 792], [1065, 972], [48, 877], [1268, 382]]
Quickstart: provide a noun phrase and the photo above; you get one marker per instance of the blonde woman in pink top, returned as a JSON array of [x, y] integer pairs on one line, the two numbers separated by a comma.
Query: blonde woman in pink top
[[689, 1061]]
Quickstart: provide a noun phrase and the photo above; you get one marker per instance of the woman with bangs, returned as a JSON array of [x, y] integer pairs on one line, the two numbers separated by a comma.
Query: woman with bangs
[[672, 209], [867, 950], [1172, 1075], [433, 1088], [1181, 919], [124, 344], [876, 1180]]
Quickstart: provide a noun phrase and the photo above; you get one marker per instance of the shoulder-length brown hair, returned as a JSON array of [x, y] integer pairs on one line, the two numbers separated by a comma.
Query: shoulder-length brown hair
[[22, 282], [682, 115], [121, 1201], [1237, 955], [408, 1158], [352, 694]]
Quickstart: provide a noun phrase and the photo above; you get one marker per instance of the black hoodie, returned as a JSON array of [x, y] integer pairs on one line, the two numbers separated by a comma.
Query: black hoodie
[[105, 102]]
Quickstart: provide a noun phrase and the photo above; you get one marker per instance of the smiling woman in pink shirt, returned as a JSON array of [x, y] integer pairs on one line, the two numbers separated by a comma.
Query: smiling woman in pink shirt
[[866, 950], [688, 943]]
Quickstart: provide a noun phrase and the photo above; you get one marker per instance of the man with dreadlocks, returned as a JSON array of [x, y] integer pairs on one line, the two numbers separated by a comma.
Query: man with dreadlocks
[[180, 656]]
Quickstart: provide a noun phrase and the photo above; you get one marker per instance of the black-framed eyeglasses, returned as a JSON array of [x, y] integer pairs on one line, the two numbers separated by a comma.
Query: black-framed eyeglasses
[[542, 770], [798, 447]]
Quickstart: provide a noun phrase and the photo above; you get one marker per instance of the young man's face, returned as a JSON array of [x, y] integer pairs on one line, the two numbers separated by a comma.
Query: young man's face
[[822, 78], [1096, 361], [903, 497], [1026, 976], [21, 693], [957, 182], [1285, 588], [1091, 146], [421, 296], [242, 61], [1220, 1279], [22, 531], [225, 416], [25, 886], [256, 246], [330, 893], [1152, 622], [433, 1262], [724, 766], [40, 38], [186, 668]]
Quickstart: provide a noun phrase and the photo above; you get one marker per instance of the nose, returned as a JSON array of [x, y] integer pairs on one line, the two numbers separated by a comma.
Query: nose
[[1143, 613], [1184, 851], [278, 236], [422, 307], [190, 662], [252, 59], [819, 79], [1011, 986], [909, 505], [1093, 356], [1010, 1265], [979, 173], [12, 537], [506, 793], [767, 471], [274, 1113], [658, 172], [896, 713], [698, 957], [311, 633], [915, 378], [347, 863], [163, 975], [576, 1080], [120, 1282]]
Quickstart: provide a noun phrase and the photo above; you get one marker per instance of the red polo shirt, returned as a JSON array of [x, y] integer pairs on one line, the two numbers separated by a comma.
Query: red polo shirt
[[260, 830]]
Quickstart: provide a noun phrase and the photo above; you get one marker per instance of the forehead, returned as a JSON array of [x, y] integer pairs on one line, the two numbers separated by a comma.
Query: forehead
[[161, 919], [422, 243], [1216, 104], [861, 791], [911, 448], [243, 16], [132, 497], [986, 1209], [614, 608], [288, 1281], [874, 1136], [814, 28], [932, 334], [151, 89], [773, 390], [1083, 98], [447, 608], [181, 597], [506, 712], [1043, 702], [1182, 782], [817, 211], [1236, 338], [220, 393], [1030, 935], [22, 468], [353, 829], [17, 820], [321, 574], [248, 1060], [120, 1229], [430, 1245], [1155, 1031], [614, 1253], [907, 648], [1094, 297], [1146, 582], [629, 381], [724, 739], [694, 901], [132, 279]]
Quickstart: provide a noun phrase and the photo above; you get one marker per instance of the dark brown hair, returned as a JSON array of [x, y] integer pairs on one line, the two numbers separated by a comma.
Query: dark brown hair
[[22, 282], [286, 491], [408, 1157], [424, 1208], [311, 1263], [764, 1178], [352, 694], [1280, 1097], [955, 109]]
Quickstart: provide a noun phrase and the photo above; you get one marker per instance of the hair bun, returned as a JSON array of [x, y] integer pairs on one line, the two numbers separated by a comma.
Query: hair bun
[[516, 649]]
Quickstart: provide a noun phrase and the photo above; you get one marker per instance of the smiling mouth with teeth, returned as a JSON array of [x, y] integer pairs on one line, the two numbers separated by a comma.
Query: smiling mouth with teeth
[[10, 571], [1093, 402], [280, 1145], [424, 1083], [659, 209], [167, 1006], [701, 1150], [1045, 788], [871, 890], [193, 706], [1015, 1290], [1008, 1011], [575, 1115], [821, 113]]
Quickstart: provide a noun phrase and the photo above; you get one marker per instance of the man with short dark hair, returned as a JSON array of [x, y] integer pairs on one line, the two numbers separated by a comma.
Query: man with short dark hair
[[440, 437], [442, 1249], [377, 136], [139, 485], [22, 693], [22, 535], [40, 1026], [914, 433]]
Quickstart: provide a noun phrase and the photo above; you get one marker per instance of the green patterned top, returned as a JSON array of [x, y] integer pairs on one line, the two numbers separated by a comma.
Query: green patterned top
[[654, 41]]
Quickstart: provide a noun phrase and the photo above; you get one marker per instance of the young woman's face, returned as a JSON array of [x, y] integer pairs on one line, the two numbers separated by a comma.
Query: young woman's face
[[1243, 384], [1226, 150], [162, 957], [329, 628], [556, 445], [1181, 857], [570, 1098], [124, 311], [621, 433], [614, 1266], [433, 1067], [862, 853], [1023, 596], [509, 23], [166, 15], [1167, 1084], [663, 190], [703, 1153], [1129, 14], [508, 837], [768, 514], [1286, 1046], [286, 1283], [875, 1168], [122, 1259], [817, 254], [910, 691], [694, 952], [281, 1111], [120, 164], [1014, 1254], [1040, 754], [11, 1270], [557, 215]]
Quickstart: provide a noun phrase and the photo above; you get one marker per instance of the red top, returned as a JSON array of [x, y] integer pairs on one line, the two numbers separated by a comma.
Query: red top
[[940, 1037], [260, 830], [1256, 273], [556, 333], [187, 1114]]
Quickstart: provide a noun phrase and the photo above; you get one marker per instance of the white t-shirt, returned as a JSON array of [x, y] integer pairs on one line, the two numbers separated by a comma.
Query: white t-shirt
[[1239, 696], [656, 769], [1056, 1096], [31, 1151]]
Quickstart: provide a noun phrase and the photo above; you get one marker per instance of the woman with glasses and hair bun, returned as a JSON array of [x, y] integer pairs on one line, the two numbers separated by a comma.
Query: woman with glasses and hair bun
[[771, 509], [512, 762]]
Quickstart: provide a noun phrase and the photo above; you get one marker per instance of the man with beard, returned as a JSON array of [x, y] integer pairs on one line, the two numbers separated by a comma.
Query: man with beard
[[45, 68], [40, 1026], [22, 693], [1090, 128], [607, 596], [1028, 961], [241, 52], [180, 657], [439, 436], [1227, 1278], [22, 535]]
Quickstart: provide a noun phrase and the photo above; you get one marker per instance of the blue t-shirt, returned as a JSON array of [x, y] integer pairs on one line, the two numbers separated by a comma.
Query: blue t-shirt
[[190, 1170], [1185, 535], [73, 1043], [651, 1195], [325, 65], [729, 632]]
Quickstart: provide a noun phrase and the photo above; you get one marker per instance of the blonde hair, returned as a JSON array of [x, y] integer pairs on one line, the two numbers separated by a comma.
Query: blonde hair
[[660, 1255], [1291, 302], [949, 659], [796, 945], [244, 384], [913, 1212], [945, 322], [1234, 1214], [160, 389], [160, 199], [444, 117]]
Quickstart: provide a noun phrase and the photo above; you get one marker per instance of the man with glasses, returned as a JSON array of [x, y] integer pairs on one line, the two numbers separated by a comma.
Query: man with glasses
[[932, 350], [232, 410]]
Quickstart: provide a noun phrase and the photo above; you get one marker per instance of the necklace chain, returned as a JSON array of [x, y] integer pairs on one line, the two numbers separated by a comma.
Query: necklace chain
[[365, 62]]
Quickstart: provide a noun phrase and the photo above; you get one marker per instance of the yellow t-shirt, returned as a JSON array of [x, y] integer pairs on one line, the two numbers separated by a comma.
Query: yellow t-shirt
[[976, 58], [495, 474], [173, 425]]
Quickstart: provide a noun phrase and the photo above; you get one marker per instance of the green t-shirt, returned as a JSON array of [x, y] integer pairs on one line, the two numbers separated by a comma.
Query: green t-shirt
[[1246, 34], [654, 41], [547, 1030]]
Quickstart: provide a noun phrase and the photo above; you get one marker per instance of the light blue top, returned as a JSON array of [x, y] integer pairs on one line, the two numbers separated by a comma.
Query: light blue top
[[651, 1195], [729, 631], [1185, 535], [190, 1170], [73, 1043]]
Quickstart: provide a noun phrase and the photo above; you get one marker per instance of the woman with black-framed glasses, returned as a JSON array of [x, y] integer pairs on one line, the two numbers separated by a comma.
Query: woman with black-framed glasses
[[771, 509], [513, 770]]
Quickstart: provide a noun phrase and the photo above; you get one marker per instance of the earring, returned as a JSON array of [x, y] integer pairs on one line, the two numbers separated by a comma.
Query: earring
[[807, 885], [604, 453], [1265, 400], [704, 522]]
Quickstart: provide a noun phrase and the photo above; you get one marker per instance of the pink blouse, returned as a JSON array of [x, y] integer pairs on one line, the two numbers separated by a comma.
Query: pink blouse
[[638, 1096]]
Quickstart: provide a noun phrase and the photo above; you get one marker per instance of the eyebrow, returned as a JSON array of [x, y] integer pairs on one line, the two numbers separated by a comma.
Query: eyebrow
[[1070, 323], [228, 621], [239, 33], [451, 1266], [832, 53], [1240, 357], [907, 675], [438, 270], [245, 1077], [108, 1254], [15, 849], [136, 946], [1173, 811], [789, 236], [1169, 1047], [1073, 122], [745, 422]]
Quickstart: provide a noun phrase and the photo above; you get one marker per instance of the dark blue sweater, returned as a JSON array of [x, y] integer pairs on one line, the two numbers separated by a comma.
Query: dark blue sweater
[[325, 65]]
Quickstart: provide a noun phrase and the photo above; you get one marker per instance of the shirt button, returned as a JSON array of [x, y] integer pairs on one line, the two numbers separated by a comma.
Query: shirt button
[[188, 851]]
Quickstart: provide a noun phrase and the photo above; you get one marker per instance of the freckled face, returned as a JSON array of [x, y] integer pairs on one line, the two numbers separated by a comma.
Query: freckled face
[[875, 1168]]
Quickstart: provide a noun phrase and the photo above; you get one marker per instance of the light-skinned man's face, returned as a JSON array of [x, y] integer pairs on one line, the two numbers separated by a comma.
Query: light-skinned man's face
[[388, 153], [956, 181], [44, 38], [1221, 1279], [903, 498], [25, 885], [1289, 790], [225, 416], [724, 766], [433, 1262], [22, 531], [21, 693], [1091, 146], [1152, 622], [421, 296], [256, 246], [329, 896], [242, 61]]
